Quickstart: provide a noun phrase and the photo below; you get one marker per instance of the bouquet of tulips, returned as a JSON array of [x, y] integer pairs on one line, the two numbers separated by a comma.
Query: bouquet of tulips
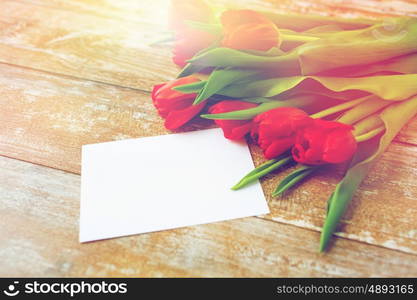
[[310, 90]]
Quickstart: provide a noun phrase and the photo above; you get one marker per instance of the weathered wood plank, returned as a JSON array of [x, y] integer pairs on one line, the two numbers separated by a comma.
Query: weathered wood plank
[[47, 118], [131, 9], [154, 12], [39, 205], [116, 49], [375, 7], [382, 212], [408, 133], [96, 48], [51, 117], [83, 46]]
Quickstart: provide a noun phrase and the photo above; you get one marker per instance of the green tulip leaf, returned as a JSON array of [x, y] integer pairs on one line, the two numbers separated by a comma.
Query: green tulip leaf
[[247, 114], [244, 114], [304, 22], [226, 57], [293, 178], [190, 88], [274, 51], [370, 106], [341, 49], [190, 69], [358, 47], [324, 29], [221, 78], [394, 117], [263, 170], [382, 86], [367, 125], [259, 100], [405, 64]]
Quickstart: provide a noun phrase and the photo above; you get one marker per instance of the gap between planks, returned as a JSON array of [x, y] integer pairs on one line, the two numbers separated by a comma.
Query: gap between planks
[[145, 91], [155, 127], [51, 117], [265, 218], [48, 209], [61, 41]]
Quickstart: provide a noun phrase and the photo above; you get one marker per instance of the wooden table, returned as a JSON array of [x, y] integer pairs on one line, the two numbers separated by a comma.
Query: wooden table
[[76, 72]]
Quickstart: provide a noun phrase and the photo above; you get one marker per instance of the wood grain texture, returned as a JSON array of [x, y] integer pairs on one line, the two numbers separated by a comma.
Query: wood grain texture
[[39, 205], [99, 52], [47, 118], [83, 46], [154, 12], [382, 212], [92, 39], [130, 9], [66, 37]]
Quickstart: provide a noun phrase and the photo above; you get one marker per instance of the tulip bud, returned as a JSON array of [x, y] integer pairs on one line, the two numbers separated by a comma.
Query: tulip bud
[[275, 130], [248, 30], [233, 129], [324, 142], [175, 107]]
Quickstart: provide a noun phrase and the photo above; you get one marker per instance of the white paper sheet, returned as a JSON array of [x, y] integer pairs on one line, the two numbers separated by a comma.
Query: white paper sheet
[[164, 182]]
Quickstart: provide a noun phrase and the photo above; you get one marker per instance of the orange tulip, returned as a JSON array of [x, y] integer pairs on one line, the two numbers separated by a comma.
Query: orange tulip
[[248, 30]]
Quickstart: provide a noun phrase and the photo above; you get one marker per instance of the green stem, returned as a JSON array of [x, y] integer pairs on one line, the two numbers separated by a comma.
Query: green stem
[[298, 38], [369, 135], [261, 171], [304, 22], [368, 124], [293, 178], [338, 108], [247, 114], [372, 105]]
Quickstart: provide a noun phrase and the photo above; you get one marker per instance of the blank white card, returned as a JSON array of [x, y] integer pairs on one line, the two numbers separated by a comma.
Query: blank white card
[[164, 182]]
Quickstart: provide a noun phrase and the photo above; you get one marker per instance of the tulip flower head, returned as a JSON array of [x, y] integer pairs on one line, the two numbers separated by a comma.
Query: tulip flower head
[[175, 107], [233, 129], [248, 30], [275, 130], [324, 142]]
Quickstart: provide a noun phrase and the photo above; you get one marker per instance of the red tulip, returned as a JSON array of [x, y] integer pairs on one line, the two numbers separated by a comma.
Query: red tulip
[[275, 130], [188, 43], [188, 10], [174, 106], [248, 30], [324, 142], [233, 129]]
